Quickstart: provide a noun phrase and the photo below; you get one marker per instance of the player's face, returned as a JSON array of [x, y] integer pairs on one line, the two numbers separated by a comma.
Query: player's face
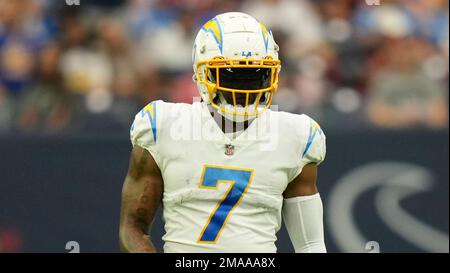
[[243, 79]]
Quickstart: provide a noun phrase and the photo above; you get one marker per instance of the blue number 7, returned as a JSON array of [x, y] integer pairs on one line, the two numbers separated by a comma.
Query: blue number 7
[[239, 179]]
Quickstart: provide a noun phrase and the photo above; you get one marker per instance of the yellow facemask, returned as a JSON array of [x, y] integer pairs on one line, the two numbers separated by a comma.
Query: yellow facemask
[[208, 67]]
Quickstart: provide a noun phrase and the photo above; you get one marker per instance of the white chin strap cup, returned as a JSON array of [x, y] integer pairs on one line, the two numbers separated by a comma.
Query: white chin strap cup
[[239, 109]]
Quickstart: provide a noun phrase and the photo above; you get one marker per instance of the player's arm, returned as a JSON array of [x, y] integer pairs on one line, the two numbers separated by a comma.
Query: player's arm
[[302, 206], [303, 212], [141, 197]]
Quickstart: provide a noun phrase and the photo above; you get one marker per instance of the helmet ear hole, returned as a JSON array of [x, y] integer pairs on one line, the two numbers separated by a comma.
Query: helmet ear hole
[[202, 49]]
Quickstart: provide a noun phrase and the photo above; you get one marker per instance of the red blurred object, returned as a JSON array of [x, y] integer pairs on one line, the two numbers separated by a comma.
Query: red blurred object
[[11, 240]]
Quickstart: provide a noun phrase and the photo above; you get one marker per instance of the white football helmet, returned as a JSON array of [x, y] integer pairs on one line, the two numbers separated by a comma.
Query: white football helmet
[[236, 65]]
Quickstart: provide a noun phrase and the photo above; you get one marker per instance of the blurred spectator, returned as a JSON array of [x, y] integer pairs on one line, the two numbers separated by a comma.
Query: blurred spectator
[[17, 64], [23, 31], [428, 19], [84, 69], [295, 18], [115, 43], [400, 93], [169, 47], [47, 108]]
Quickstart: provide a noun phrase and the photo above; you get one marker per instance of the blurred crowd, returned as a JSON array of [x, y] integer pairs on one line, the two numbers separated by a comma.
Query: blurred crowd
[[90, 68]]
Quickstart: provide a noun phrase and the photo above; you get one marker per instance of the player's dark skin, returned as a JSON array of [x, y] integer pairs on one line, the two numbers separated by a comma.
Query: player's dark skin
[[141, 197], [143, 189]]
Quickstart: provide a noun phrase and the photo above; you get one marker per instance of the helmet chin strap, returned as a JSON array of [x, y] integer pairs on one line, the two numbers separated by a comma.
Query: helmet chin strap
[[230, 108], [235, 118]]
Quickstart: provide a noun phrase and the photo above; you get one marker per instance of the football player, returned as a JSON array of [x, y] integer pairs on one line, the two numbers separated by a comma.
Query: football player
[[226, 169]]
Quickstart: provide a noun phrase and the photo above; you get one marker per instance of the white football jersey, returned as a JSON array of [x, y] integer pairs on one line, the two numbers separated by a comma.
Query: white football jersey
[[223, 194]]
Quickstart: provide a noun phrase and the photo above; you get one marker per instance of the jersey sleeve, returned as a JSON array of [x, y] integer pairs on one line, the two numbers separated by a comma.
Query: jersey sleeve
[[315, 143], [144, 131], [311, 145]]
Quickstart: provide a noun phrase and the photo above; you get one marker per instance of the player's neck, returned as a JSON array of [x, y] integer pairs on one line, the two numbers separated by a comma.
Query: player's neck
[[228, 126]]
